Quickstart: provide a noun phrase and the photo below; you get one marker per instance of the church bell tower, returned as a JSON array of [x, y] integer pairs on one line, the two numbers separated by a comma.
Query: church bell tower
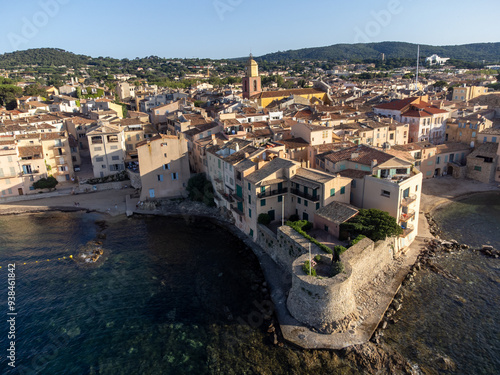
[[251, 82]]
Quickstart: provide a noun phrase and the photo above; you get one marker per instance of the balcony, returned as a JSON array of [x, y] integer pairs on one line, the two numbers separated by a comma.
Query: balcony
[[408, 200], [407, 231], [270, 193], [237, 198], [406, 216], [225, 196], [235, 209], [28, 173], [304, 195]]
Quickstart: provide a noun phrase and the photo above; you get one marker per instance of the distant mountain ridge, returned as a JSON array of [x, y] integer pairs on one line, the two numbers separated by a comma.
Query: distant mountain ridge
[[363, 51]]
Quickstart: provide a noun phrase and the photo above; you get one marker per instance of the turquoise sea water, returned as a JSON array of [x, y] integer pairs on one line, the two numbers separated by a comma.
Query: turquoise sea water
[[170, 296], [457, 320]]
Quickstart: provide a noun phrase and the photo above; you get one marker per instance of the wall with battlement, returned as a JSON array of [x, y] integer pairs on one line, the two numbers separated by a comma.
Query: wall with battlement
[[320, 302], [367, 259]]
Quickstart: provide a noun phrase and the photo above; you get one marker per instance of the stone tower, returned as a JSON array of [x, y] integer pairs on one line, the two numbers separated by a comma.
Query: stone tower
[[251, 82]]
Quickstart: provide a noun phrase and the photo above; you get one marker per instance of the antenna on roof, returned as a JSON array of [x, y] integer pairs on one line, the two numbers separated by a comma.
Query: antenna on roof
[[416, 76]]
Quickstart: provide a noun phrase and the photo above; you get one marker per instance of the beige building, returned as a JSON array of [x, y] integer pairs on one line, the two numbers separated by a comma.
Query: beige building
[[466, 129], [107, 149], [57, 155], [465, 93], [164, 166], [379, 180], [11, 174]]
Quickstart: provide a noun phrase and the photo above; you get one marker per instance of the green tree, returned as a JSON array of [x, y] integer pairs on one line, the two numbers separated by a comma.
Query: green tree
[[34, 90], [46, 183], [373, 223], [201, 190], [8, 94], [441, 84]]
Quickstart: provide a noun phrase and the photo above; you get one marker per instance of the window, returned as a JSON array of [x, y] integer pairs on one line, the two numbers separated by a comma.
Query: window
[[428, 173], [97, 148], [299, 200], [251, 232], [115, 158], [249, 188], [137, 137], [175, 176], [332, 192], [306, 202], [249, 199], [386, 193], [280, 198], [317, 206], [114, 147], [477, 168], [262, 202], [438, 160], [166, 166], [99, 159], [249, 212], [342, 190], [160, 177], [9, 190]]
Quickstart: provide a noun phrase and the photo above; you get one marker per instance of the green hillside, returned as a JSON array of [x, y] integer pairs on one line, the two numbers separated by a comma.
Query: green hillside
[[392, 50]]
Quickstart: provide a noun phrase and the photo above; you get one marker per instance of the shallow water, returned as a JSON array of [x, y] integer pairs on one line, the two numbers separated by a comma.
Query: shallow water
[[442, 318], [169, 296]]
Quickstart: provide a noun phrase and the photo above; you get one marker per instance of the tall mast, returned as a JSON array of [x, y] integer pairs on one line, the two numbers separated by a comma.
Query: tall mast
[[416, 76]]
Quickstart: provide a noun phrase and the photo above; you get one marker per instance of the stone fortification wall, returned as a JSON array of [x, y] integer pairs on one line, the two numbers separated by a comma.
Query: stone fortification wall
[[285, 246], [320, 302], [367, 259]]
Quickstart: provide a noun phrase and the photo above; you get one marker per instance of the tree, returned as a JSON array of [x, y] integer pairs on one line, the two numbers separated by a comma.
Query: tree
[[35, 90], [201, 190], [373, 223], [441, 84], [8, 94], [46, 183]]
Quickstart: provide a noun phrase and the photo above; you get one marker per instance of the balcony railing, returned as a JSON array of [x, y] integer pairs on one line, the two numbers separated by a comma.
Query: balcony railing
[[235, 209], [408, 200], [225, 196], [407, 231], [309, 197], [237, 198], [35, 171], [270, 193], [406, 216]]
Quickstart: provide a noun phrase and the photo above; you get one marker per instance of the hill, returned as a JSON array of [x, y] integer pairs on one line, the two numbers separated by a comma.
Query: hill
[[43, 57], [392, 50]]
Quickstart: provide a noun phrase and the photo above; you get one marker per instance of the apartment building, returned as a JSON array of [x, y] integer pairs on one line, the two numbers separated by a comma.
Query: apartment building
[[465, 93], [379, 180], [466, 129], [427, 122], [107, 149], [163, 166]]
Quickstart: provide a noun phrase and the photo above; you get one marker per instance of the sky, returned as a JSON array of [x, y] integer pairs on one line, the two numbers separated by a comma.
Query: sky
[[234, 28]]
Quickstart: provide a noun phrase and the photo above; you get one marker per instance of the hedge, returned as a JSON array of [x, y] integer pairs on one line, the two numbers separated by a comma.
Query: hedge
[[297, 228]]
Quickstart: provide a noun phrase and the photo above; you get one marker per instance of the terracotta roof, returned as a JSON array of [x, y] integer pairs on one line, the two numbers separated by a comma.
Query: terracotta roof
[[280, 93], [30, 151], [396, 105], [361, 154]]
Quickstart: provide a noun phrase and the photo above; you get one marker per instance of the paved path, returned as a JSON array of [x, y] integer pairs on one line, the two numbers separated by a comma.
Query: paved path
[[111, 202]]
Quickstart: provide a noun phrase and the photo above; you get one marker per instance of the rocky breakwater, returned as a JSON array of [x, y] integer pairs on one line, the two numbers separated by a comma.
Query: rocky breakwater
[[321, 302]]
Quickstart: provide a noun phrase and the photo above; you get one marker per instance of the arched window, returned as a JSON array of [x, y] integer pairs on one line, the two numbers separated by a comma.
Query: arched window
[[245, 86], [254, 85]]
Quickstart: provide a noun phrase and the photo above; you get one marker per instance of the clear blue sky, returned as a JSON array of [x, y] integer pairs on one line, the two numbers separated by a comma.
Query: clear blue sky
[[233, 28]]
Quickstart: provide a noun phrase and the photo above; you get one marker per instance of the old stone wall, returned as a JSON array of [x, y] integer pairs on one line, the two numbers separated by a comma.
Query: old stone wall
[[285, 246], [485, 175], [320, 302], [105, 186], [367, 259], [135, 179]]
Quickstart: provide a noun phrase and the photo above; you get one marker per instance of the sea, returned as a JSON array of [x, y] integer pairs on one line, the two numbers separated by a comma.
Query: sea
[[182, 295]]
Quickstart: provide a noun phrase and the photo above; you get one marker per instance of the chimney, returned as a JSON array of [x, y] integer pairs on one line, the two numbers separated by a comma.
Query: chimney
[[260, 163], [374, 163], [213, 137]]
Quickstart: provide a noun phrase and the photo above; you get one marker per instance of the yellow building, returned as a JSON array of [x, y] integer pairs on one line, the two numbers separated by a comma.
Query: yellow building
[[252, 89], [465, 93]]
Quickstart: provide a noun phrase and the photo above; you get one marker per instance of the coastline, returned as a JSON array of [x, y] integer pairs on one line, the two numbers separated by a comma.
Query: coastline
[[435, 193]]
